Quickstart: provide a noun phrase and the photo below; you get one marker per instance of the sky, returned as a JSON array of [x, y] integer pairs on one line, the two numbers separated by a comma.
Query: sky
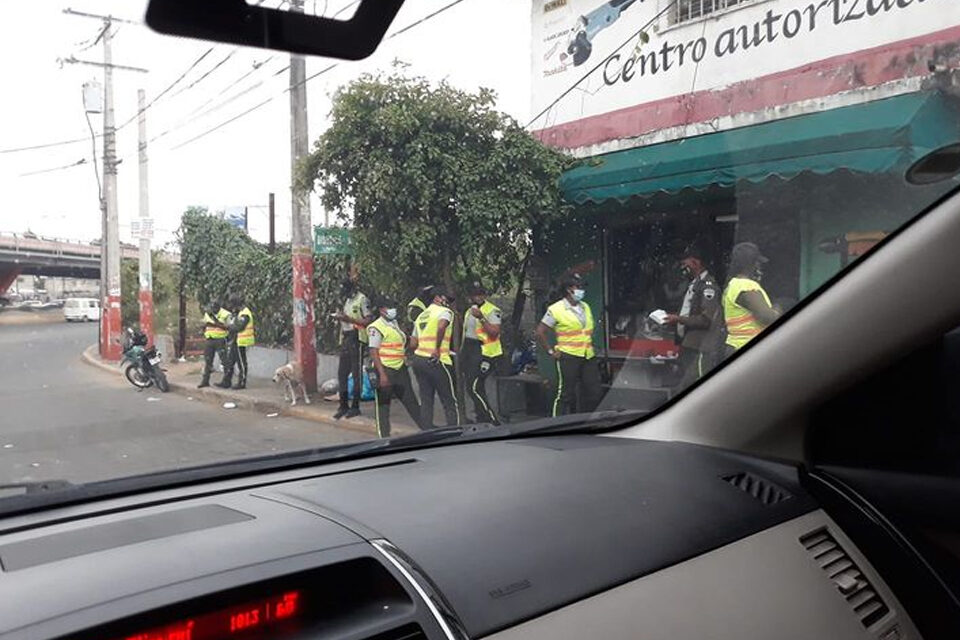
[[475, 43]]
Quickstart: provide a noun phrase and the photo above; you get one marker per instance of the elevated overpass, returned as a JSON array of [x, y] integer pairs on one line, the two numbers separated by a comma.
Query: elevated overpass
[[33, 255]]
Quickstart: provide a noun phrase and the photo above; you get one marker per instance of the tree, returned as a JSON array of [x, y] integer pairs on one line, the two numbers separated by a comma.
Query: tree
[[165, 278], [438, 184]]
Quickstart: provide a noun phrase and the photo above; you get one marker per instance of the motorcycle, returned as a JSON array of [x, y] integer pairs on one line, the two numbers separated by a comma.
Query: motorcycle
[[143, 368]]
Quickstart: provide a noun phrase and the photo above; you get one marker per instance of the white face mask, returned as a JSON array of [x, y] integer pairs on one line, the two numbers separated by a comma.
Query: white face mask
[[579, 294], [390, 314]]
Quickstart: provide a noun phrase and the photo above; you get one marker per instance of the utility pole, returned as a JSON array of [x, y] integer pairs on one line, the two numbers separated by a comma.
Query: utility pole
[[272, 212], [304, 333], [110, 318], [146, 225]]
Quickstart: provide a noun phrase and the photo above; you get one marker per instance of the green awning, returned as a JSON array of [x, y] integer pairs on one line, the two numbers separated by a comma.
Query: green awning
[[875, 137]]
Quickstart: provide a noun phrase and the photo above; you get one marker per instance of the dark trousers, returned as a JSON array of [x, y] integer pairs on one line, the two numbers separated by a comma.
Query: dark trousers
[[211, 348], [434, 377], [237, 357], [695, 364], [351, 356], [576, 374], [476, 369], [400, 388]]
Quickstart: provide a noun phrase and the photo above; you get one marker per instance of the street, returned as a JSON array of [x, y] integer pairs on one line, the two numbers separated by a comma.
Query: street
[[63, 419]]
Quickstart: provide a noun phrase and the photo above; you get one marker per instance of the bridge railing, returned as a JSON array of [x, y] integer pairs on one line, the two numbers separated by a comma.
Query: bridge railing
[[22, 243]]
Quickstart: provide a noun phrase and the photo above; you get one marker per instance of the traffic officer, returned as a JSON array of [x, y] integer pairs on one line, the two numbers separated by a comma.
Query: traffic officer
[[388, 345], [215, 332], [243, 336], [699, 322], [354, 318], [571, 320], [419, 303], [481, 352], [432, 362], [746, 306]]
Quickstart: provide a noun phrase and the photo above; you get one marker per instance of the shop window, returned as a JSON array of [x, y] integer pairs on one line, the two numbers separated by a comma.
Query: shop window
[[691, 10]]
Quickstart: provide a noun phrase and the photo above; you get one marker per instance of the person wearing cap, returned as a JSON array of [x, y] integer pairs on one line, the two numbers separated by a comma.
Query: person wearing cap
[[215, 334], [419, 303], [571, 320], [481, 351], [388, 345], [746, 306], [354, 318], [243, 335], [699, 321], [432, 361]]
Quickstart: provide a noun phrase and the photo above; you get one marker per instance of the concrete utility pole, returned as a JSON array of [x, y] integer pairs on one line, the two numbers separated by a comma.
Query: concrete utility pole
[[304, 333], [110, 318], [273, 224], [146, 224]]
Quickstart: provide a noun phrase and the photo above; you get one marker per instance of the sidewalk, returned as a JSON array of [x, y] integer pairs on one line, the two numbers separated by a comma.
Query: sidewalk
[[264, 397]]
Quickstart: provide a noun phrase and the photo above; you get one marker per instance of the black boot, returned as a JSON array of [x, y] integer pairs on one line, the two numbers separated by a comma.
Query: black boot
[[241, 383], [352, 413], [224, 384], [342, 411], [205, 382]]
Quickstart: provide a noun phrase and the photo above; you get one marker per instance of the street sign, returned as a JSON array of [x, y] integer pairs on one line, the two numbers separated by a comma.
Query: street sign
[[142, 228], [237, 216], [331, 241]]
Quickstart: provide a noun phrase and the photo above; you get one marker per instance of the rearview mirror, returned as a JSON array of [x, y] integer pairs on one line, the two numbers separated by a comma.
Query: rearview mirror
[[240, 23]]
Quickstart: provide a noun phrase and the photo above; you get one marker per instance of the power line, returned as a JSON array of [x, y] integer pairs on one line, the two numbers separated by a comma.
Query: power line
[[309, 78], [81, 161], [601, 63]]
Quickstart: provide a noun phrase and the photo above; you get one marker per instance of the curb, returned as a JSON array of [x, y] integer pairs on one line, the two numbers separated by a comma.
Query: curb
[[213, 395]]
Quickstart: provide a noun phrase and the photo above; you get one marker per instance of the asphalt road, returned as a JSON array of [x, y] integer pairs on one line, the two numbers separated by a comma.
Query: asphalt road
[[63, 419]]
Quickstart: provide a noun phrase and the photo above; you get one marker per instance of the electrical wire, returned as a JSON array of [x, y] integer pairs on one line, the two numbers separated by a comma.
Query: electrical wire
[[78, 163], [307, 79], [572, 87]]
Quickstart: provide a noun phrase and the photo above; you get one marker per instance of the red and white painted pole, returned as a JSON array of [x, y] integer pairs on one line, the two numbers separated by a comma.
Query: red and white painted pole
[[146, 226], [110, 314], [304, 332]]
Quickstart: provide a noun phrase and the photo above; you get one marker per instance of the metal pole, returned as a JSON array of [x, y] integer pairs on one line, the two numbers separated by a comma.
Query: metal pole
[[111, 314], [304, 333], [146, 229], [273, 224]]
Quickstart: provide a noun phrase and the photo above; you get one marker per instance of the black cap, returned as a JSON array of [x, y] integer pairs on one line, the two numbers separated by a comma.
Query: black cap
[[573, 280], [441, 291], [384, 302], [476, 287], [747, 252]]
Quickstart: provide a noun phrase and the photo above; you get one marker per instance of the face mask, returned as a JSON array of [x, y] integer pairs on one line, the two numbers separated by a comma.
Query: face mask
[[686, 272], [390, 314], [758, 273], [579, 294]]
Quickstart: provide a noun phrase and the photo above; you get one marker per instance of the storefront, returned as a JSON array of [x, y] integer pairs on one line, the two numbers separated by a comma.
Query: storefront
[[813, 191]]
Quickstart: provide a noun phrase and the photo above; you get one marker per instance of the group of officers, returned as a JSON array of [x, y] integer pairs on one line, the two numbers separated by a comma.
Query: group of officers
[[228, 331], [424, 343], [711, 324]]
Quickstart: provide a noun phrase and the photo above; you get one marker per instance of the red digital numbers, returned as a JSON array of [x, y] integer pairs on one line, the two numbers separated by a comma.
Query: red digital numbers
[[244, 620], [287, 606], [181, 631]]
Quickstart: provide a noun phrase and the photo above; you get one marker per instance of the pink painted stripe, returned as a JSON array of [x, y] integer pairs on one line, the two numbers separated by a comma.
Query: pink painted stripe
[[868, 68]]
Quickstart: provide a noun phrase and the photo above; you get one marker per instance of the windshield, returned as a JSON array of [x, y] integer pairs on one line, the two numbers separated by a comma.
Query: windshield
[[513, 212]]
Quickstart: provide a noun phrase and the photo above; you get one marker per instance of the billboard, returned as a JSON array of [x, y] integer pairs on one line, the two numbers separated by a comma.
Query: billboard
[[624, 69]]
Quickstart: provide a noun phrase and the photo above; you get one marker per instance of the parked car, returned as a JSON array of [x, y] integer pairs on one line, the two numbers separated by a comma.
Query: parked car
[[81, 309]]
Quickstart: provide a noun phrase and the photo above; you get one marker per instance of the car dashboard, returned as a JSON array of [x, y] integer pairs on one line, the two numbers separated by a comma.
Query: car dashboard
[[548, 537]]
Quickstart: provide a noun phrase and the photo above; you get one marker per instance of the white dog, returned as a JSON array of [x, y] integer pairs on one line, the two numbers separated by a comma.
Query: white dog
[[289, 374]]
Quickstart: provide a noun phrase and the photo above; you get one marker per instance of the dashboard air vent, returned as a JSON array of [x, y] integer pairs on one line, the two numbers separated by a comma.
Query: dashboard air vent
[[763, 490], [846, 576], [406, 632]]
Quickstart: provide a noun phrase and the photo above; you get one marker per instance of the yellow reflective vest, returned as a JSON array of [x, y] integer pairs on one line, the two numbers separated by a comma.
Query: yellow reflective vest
[[742, 326], [213, 332], [490, 347], [427, 324], [573, 337], [392, 347], [247, 337]]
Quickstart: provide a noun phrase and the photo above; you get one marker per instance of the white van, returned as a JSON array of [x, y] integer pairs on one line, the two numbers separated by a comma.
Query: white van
[[81, 309]]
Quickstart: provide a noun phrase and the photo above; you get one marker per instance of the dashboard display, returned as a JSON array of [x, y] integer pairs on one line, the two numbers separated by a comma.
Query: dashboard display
[[227, 623], [328, 601]]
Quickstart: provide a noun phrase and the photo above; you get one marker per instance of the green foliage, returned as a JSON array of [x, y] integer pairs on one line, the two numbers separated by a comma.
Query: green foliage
[[166, 278], [438, 184], [219, 260]]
